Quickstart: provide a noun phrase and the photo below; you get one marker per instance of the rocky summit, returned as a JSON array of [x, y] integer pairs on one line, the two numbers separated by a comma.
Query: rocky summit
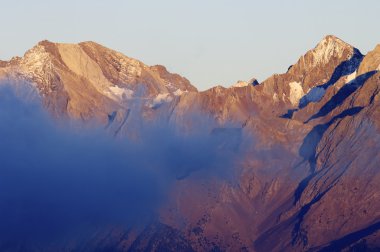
[[308, 181]]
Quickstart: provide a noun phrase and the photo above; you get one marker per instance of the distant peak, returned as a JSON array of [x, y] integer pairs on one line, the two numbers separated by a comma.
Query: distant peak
[[329, 47], [241, 83], [44, 41], [331, 37], [333, 41], [377, 48], [254, 82]]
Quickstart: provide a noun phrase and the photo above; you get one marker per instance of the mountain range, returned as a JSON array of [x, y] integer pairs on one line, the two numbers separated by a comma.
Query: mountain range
[[308, 181]]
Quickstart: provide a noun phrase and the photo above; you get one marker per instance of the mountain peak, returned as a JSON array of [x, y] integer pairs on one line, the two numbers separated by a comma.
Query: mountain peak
[[241, 83], [330, 46], [331, 39], [87, 76], [45, 42]]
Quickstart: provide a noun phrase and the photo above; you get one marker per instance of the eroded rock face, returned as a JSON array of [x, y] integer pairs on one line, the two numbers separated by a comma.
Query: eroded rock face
[[308, 179]]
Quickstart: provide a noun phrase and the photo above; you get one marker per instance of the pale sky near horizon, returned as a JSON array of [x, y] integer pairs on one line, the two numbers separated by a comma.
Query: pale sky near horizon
[[208, 41]]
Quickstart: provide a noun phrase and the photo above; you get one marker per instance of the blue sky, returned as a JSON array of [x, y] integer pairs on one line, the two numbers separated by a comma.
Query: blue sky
[[208, 41]]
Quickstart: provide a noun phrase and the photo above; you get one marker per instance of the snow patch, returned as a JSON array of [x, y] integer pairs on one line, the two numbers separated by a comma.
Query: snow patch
[[240, 84], [179, 92], [328, 48], [351, 77], [160, 99], [121, 93], [296, 92]]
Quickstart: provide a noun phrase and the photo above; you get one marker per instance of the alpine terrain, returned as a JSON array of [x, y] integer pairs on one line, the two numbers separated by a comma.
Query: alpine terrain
[[304, 146]]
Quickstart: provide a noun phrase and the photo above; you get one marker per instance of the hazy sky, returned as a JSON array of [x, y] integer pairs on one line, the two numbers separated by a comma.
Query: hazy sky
[[208, 41]]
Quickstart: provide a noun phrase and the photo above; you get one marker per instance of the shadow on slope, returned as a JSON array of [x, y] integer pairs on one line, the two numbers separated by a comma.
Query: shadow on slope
[[316, 93], [308, 152], [309, 146], [352, 238], [342, 95], [345, 68]]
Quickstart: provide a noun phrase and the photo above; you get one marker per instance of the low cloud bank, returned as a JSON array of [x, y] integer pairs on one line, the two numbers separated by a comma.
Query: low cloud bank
[[56, 180]]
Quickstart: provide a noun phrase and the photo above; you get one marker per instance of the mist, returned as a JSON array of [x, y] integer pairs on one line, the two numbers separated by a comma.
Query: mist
[[58, 179]]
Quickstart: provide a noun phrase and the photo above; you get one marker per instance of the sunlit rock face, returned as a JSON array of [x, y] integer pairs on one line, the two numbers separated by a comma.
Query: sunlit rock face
[[87, 80], [287, 164]]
